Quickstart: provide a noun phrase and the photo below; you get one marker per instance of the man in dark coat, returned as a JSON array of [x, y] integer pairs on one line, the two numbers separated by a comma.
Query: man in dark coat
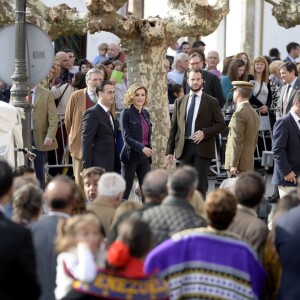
[[18, 278], [99, 132]]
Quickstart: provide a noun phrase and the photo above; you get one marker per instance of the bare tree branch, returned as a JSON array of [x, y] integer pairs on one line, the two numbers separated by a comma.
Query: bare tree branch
[[286, 12]]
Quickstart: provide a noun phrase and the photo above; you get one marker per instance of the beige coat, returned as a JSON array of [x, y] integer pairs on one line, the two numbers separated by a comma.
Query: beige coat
[[76, 107], [44, 119], [242, 138], [105, 211]]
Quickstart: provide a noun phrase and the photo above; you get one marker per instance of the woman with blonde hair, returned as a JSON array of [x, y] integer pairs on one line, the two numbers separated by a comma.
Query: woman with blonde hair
[[136, 130]]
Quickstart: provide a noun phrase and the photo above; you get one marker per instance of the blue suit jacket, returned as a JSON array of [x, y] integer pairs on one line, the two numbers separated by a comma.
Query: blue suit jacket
[[287, 232], [286, 145], [132, 134]]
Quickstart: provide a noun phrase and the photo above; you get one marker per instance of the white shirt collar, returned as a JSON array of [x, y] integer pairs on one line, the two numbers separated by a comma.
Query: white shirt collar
[[104, 107], [90, 92], [292, 59], [59, 214], [296, 118], [199, 93]]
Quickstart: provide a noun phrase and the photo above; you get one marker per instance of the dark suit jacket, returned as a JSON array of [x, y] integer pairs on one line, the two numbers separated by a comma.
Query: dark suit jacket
[[209, 119], [287, 59], [132, 134], [211, 86], [44, 235], [18, 278], [286, 145], [287, 232], [98, 140], [279, 111]]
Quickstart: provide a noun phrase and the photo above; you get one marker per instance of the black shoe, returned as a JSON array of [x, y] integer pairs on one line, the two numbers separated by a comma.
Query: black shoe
[[273, 198]]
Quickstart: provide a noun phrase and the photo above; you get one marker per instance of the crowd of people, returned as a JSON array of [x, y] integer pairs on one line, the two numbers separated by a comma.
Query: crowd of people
[[79, 235]]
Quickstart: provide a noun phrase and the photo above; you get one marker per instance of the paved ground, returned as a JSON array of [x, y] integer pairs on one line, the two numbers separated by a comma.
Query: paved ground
[[212, 181]]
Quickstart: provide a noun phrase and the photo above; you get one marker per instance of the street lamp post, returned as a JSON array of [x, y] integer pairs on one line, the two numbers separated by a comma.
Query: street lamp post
[[19, 77]]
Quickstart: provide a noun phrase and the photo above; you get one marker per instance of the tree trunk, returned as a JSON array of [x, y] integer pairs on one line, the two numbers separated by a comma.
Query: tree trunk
[[145, 66]]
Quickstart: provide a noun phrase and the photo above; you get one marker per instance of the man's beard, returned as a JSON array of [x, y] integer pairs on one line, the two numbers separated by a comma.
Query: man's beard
[[196, 89]]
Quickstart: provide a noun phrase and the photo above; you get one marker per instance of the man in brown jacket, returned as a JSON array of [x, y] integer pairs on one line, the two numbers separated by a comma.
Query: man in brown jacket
[[111, 187], [196, 120], [243, 131], [44, 125], [79, 102]]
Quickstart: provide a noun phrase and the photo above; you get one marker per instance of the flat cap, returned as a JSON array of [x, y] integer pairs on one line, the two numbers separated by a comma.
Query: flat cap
[[242, 84]]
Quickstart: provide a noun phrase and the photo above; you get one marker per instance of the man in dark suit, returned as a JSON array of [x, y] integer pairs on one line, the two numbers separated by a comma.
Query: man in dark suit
[[196, 120], [211, 83], [289, 75], [99, 132], [286, 145], [293, 50], [287, 232], [18, 278], [60, 195]]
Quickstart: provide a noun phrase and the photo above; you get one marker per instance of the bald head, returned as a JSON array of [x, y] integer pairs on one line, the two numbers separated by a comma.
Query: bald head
[[63, 58], [155, 185], [60, 194]]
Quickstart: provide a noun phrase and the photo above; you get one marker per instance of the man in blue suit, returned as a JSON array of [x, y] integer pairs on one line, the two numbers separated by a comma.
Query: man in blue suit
[[286, 145], [287, 231]]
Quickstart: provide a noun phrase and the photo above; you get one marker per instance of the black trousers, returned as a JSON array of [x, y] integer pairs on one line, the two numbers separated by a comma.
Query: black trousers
[[128, 170], [201, 164]]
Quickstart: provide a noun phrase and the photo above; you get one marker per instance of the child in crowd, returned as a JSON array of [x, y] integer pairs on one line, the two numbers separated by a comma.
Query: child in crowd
[[78, 244], [90, 177], [123, 278], [102, 54]]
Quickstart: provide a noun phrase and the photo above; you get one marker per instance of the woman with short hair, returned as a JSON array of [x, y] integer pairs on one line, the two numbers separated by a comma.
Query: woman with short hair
[[136, 130]]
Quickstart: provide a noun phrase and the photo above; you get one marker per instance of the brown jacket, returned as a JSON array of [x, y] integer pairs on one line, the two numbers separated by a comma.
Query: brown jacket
[[44, 119], [105, 211], [76, 107], [242, 138], [209, 119], [252, 229]]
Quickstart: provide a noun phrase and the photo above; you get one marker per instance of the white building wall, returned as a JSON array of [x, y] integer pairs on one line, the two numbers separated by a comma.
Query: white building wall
[[226, 39]]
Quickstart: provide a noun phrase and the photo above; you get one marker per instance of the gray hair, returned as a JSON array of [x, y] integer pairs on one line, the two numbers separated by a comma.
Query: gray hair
[[111, 184], [178, 57], [92, 71]]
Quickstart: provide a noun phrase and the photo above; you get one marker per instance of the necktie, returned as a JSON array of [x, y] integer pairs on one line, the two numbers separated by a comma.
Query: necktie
[[110, 119], [189, 119], [95, 99], [286, 100]]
